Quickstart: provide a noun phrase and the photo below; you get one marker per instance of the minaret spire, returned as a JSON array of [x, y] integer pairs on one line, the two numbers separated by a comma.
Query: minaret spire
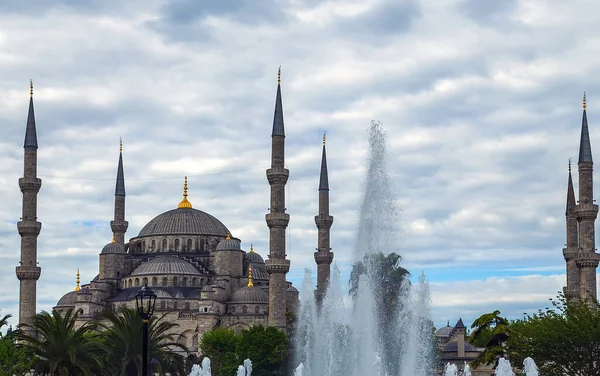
[[571, 249], [323, 255], [277, 219], [585, 148], [29, 228], [119, 224]]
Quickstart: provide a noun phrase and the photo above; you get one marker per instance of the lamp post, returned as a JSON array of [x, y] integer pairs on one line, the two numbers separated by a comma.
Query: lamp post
[[145, 300]]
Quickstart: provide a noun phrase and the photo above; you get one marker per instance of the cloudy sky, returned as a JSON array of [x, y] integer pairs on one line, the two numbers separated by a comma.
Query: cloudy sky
[[481, 102]]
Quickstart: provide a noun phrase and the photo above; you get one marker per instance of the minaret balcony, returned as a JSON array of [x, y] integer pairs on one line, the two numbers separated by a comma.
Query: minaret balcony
[[278, 175], [28, 227], [29, 184], [587, 260], [277, 220], [571, 293], [323, 257], [323, 221], [570, 253], [277, 266], [119, 226], [28, 272], [587, 211]]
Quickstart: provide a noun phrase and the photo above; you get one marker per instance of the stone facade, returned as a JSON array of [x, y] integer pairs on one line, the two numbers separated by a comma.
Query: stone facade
[[454, 349], [580, 251]]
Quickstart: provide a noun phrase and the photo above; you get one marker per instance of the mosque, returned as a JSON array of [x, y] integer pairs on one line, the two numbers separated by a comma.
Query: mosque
[[202, 277]]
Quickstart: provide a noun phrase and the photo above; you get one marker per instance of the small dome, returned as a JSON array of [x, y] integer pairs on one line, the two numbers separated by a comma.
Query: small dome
[[249, 294], [113, 247], [254, 258], [228, 244], [165, 265], [67, 300], [292, 289], [444, 331]]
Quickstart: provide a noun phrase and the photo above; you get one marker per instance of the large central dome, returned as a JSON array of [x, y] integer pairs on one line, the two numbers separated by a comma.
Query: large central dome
[[184, 221]]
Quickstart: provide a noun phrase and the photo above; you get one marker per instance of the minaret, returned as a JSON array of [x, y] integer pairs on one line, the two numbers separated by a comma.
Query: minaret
[[571, 291], [119, 224], [323, 255], [277, 220], [29, 228], [586, 211]]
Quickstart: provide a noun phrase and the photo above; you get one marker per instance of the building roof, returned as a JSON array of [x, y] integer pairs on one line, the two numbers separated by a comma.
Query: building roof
[[67, 300], [249, 294], [453, 347], [444, 331], [165, 265], [184, 221], [113, 247], [459, 324], [254, 258], [229, 244]]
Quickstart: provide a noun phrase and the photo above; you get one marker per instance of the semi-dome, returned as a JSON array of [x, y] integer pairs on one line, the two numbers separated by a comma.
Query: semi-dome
[[249, 294], [229, 244], [67, 300], [113, 247], [184, 221], [254, 257], [165, 265]]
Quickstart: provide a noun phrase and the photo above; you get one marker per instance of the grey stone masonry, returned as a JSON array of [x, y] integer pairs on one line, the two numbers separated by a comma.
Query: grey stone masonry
[[119, 225], [29, 228], [277, 220], [323, 255]]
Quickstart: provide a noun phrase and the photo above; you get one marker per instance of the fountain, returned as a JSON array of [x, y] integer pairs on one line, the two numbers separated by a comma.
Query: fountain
[[467, 370], [201, 370], [451, 370], [530, 368], [364, 337], [504, 368], [245, 369]]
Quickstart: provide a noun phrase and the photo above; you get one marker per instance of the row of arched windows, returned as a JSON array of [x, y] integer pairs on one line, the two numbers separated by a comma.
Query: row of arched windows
[[179, 245], [184, 282], [164, 305], [245, 309]]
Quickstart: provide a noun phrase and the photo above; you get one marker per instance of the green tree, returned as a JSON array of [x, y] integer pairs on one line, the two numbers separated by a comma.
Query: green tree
[[123, 343], [220, 345], [389, 282], [564, 340], [13, 359], [58, 349], [482, 339], [500, 332], [267, 348]]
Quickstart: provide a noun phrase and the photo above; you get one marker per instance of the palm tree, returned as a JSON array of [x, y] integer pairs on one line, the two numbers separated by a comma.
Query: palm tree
[[4, 320], [58, 348], [500, 332], [389, 282], [122, 341]]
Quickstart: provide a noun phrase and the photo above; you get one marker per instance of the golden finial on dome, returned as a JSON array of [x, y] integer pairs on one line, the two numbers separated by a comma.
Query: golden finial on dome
[[584, 101], [279, 75], [120, 145], [185, 204], [228, 237], [30, 87], [114, 240], [77, 280], [324, 136], [251, 248], [250, 283]]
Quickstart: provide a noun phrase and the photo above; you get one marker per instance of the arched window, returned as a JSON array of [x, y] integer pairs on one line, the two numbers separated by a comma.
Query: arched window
[[195, 340], [177, 244], [144, 246], [202, 244], [187, 306], [162, 304], [194, 282], [165, 281], [201, 282], [137, 282], [184, 282], [189, 244], [233, 309], [257, 309], [164, 245], [130, 282], [145, 281], [244, 309], [153, 246], [175, 304], [154, 281], [175, 281]]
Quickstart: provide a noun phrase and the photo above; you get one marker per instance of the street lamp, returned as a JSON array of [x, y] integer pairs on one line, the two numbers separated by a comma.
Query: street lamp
[[145, 300]]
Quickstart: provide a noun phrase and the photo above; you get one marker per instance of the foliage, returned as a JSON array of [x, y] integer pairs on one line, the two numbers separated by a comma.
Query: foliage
[[13, 359], [122, 342], [219, 345], [58, 348], [389, 282], [265, 347], [564, 340], [500, 332], [482, 339]]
